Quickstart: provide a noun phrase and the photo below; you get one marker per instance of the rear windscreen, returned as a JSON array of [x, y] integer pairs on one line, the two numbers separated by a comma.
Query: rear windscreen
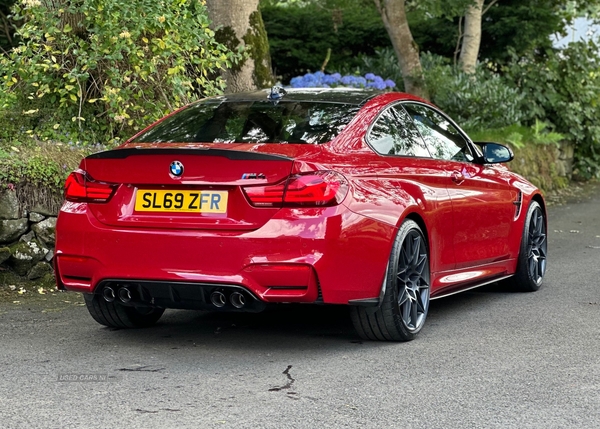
[[253, 122]]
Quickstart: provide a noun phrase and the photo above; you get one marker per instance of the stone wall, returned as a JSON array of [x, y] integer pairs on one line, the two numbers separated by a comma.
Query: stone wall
[[26, 236], [549, 167]]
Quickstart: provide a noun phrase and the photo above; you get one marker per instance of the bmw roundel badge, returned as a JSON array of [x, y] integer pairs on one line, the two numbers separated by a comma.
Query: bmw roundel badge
[[176, 168]]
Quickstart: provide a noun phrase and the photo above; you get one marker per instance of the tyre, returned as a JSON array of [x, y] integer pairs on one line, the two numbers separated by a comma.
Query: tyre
[[403, 309], [531, 264], [115, 315]]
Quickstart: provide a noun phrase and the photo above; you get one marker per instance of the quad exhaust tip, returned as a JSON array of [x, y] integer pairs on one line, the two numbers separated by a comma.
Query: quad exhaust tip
[[125, 294], [109, 294], [237, 300], [218, 299]]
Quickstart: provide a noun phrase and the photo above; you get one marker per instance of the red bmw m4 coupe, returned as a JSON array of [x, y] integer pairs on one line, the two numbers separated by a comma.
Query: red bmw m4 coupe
[[378, 201]]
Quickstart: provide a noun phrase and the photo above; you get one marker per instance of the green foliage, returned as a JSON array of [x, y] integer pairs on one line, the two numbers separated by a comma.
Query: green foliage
[[102, 69], [300, 32], [519, 135], [324, 4], [580, 8], [383, 63], [440, 8], [563, 90], [482, 100], [485, 100], [541, 133], [42, 165], [522, 25], [300, 36], [513, 134]]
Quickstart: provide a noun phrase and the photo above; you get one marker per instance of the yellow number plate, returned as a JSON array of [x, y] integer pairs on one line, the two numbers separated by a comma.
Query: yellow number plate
[[181, 201]]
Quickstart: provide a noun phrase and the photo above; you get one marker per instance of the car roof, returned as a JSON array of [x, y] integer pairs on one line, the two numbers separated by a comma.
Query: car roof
[[356, 96]]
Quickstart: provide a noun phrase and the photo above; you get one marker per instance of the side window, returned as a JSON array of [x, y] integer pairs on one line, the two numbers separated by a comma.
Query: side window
[[394, 134], [442, 138]]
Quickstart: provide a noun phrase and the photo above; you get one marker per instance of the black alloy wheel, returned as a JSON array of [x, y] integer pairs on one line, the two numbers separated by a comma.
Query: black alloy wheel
[[532, 260], [115, 315], [403, 310], [412, 281], [537, 246]]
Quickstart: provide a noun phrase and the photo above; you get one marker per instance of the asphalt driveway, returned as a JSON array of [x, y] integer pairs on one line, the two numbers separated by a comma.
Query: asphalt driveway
[[486, 358]]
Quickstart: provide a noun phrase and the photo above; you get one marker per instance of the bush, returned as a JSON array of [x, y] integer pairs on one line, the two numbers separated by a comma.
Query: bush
[[520, 135], [383, 63], [485, 100], [479, 101], [43, 165], [562, 89], [100, 70]]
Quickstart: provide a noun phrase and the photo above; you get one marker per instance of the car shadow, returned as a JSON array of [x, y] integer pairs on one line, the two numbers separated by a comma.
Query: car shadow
[[281, 327], [309, 328], [456, 305]]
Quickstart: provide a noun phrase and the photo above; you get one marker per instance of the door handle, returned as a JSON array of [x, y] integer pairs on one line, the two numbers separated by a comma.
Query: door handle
[[457, 177]]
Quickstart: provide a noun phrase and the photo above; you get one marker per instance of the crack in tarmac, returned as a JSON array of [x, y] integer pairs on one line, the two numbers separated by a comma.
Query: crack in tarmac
[[288, 385], [139, 410], [144, 368]]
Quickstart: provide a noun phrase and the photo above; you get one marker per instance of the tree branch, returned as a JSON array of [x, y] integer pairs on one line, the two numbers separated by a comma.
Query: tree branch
[[6, 25], [458, 40], [492, 3], [327, 58], [378, 6]]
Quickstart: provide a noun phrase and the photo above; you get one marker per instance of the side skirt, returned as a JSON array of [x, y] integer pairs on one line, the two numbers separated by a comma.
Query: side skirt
[[444, 294], [376, 302]]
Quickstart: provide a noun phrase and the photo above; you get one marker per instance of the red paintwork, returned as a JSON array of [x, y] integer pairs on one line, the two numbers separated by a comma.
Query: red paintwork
[[344, 249]]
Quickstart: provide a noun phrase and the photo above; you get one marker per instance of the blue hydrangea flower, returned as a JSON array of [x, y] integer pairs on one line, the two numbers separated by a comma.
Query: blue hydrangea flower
[[324, 80], [347, 80]]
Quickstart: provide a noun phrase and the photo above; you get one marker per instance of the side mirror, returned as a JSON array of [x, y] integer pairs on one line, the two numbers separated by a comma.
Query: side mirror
[[494, 153]]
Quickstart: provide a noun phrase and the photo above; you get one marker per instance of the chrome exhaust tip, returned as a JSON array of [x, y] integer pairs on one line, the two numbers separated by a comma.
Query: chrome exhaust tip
[[125, 294], [218, 299], [108, 294], [237, 300]]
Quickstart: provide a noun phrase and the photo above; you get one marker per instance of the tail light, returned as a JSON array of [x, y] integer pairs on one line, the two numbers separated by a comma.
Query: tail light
[[80, 187], [315, 189]]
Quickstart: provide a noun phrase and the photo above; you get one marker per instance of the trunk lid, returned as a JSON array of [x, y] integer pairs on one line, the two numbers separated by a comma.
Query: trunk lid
[[185, 186]]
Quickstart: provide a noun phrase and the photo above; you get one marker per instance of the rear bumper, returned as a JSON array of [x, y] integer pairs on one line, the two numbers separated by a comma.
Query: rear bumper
[[191, 296], [329, 254]]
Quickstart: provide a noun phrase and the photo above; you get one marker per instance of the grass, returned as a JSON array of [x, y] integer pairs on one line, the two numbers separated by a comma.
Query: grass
[[41, 165]]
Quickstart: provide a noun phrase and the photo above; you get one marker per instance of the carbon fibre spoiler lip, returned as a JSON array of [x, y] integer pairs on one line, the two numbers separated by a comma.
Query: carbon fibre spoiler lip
[[229, 154]]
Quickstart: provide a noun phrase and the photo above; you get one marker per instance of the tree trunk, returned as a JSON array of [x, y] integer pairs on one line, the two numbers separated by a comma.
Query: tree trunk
[[472, 38], [394, 19], [74, 20], [239, 23]]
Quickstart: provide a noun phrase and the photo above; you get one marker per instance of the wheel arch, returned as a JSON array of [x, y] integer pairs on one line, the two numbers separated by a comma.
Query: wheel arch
[[389, 318], [523, 279], [416, 217], [434, 248], [540, 200]]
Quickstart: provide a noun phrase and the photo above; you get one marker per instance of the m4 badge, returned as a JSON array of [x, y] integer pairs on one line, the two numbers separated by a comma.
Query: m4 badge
[[253, 176]]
